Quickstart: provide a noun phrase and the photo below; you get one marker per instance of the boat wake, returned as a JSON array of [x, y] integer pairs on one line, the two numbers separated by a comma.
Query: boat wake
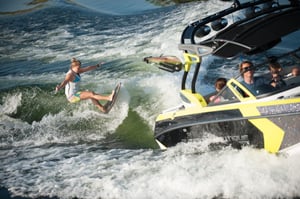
[[50, 148], [35, 116], [67, 172]]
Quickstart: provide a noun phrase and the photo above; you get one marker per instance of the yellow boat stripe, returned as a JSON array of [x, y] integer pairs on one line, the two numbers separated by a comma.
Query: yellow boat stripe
[[273, 135]]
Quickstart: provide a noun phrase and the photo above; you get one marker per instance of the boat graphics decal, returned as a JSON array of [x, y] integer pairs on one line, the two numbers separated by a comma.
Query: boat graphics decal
[[269, 118]]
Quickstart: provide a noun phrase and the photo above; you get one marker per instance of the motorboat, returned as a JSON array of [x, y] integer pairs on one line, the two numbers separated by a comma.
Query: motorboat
[[266, 118]]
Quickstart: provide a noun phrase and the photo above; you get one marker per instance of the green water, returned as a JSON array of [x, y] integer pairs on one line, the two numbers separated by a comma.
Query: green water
[[134, 132]]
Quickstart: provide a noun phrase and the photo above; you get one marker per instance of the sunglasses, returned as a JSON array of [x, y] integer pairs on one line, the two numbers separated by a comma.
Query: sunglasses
[[249, 68]]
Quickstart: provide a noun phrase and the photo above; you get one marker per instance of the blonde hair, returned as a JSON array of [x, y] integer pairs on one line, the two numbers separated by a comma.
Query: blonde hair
[[73, 60], [76, 61]]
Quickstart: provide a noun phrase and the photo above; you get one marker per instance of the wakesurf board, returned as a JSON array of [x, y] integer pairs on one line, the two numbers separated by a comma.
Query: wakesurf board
[[108, 106]]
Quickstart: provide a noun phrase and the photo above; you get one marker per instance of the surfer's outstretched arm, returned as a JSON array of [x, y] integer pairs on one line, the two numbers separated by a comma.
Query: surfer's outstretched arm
[[63, 83], [88, 68]]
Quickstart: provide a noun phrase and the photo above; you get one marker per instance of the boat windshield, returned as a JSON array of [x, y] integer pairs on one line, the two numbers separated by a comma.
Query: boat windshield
[[285, 79]]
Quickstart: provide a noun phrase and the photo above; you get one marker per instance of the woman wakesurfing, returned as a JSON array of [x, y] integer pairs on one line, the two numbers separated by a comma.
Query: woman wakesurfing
[[71, 84]]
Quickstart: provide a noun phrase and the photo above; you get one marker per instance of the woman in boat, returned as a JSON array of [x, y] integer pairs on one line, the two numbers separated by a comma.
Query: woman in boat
[[219, 84], [71, 82], [256, 85]]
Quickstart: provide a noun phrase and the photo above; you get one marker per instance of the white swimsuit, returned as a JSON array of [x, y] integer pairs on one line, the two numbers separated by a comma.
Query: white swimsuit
[[71, 89]]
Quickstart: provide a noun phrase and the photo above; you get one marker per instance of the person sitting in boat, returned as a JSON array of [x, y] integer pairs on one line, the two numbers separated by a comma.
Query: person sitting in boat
[[256, 85], [275, 69], [71, 82], [219, 84], [296, 71]]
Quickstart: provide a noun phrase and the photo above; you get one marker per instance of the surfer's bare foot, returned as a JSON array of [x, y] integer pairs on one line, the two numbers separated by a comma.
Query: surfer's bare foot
[[110, 98]]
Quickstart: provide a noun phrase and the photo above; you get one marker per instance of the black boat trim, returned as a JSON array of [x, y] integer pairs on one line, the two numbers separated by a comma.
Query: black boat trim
[[241, 27], [176, 126], [235, 7]]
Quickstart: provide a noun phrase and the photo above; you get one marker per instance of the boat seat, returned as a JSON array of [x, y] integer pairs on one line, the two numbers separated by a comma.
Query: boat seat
[[292, 80]]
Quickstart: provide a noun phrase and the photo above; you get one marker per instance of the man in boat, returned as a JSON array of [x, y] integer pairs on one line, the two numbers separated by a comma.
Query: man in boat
[[275, 70], [256, 85]]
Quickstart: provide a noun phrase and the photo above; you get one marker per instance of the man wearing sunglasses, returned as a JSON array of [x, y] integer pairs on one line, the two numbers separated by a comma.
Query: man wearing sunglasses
[[257, 85]]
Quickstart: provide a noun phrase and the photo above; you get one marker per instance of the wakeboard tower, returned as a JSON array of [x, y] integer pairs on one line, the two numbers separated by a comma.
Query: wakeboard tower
[[267, 119]]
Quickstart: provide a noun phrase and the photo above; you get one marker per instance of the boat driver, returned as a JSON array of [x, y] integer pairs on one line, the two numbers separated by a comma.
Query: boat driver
[[256, 85]]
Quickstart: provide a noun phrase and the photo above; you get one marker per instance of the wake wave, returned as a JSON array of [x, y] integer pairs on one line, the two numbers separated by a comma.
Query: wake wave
[[34, 115]]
